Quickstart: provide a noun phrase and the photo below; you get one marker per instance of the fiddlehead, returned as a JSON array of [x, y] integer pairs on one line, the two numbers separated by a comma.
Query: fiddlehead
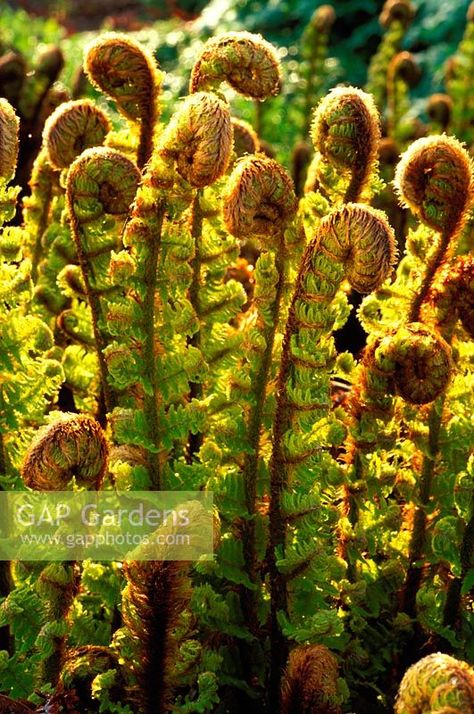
[[434, 180], [310, 682], [451, 297], [346, 133], [100, 181], [73, 127], [9, 127], [437, 684], [245, 61], [127, 73], [395, 17], [260, 199], [439, 109], [356, 243], [403, 72], [418, 363], [156, 594], [198, 139], [74, 446], [260, 203]]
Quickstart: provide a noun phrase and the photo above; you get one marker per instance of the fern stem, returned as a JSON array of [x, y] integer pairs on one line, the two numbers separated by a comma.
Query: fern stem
[[150, 401], [250, 469], [93, 299], [195, 388], [418, 537], [431, 269]]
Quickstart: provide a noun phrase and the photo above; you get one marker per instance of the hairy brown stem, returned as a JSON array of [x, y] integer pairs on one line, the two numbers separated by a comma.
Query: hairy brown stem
[[435, 262]]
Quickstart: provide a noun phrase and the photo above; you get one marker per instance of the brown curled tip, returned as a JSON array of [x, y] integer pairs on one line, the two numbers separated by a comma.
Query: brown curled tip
[[126, 71], [100, 181], [245, 138], [260, 199], [397, 11], [439, 109], [346, 132], [404, 66], [74, 446], [9, 126], [71, 128], [421, 363], [247, 62], [434, 180], [199, 139], [346, 127], [310, 682], [361, 238], [437, 684]]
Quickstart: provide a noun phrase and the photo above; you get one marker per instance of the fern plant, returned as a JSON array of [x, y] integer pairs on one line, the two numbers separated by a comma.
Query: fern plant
[[168, 313]]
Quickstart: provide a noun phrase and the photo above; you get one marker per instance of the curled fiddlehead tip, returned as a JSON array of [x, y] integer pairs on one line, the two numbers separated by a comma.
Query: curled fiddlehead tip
[[199, 139], [323, 18], [71, 128], [247, 62], [419, 362], [404, 66], [260, 199], [434, 180], [73, 446], [346, 130], [397, 11], [362, 239], [100, 180], [50, 61], [452, 295], [310, 682], [437, 684], [124, 70], [245, 139], [9, 126], [439, 109]]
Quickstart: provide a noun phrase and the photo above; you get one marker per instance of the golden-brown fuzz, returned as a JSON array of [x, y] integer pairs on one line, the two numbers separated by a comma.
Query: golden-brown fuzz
[[245, 61], [9, 126], [260, 199], [71, 128], [100, 181], [346, 131], [434, 180], [245, 138], [309, 685], [437, 684], [360, 238], [126, 71], [397, 11], [73, 446], [452, 295], [199, 139], [419, 362]]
